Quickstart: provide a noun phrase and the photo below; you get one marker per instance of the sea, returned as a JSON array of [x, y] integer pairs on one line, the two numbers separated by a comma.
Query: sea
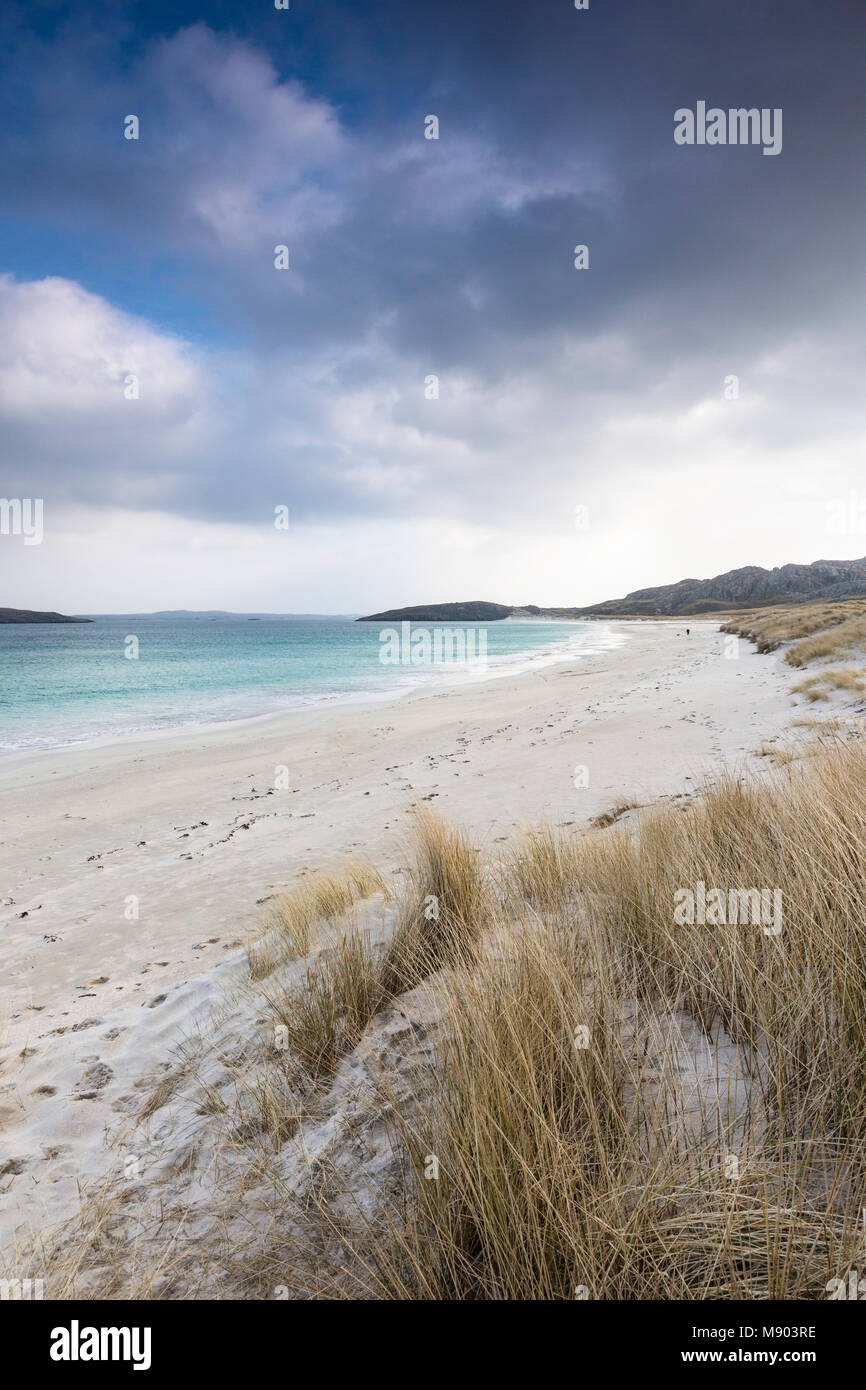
[[129, 673]]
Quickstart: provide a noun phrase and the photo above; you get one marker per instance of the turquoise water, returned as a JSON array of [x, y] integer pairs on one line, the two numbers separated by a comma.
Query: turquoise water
[[61, 684]]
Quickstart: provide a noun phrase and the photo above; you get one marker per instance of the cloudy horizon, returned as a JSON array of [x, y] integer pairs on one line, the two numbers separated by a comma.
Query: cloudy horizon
[[442, 403]]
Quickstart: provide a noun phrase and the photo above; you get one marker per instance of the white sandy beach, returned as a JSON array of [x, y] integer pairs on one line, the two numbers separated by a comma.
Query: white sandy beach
[[190, 824]]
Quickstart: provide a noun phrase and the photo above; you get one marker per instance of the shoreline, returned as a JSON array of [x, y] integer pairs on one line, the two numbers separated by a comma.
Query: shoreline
[[430, 682]]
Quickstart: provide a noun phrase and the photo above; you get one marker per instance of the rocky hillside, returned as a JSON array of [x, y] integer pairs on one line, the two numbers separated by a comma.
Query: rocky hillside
[[748, 587]]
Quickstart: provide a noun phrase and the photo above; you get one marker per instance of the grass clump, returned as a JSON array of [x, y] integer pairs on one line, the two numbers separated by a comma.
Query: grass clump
[[325, 1013], [770, 627], [836, 643], [824, 683], [577, 1144], [290, 923], [351, 978], [541, 870], [446, 909]]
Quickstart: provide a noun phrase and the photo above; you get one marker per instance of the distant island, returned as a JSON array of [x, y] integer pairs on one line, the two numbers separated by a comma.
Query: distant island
[[474, 611], [29, 615], [748, 587]]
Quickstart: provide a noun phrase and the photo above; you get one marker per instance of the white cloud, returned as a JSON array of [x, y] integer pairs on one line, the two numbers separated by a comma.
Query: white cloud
[[247, 143], [65, 353], [70, 367], [168, 501]]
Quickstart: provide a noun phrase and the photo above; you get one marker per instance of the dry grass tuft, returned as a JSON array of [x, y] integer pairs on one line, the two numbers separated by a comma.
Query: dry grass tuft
[[325, 1014], [292, 917], [823, 684], [541, 870], [769, 628], [837, 643], [447, 908]]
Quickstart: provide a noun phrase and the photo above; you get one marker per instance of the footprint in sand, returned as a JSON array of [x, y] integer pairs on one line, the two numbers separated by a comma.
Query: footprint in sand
[[52, 1151], [94, 1080], [13, 1166]]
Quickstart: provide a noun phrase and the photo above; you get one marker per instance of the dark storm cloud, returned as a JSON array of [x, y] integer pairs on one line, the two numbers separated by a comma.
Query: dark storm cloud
[[412, 257]]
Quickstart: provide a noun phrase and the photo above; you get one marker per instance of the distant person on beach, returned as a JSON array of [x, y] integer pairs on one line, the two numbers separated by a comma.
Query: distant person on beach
[[687, 632]]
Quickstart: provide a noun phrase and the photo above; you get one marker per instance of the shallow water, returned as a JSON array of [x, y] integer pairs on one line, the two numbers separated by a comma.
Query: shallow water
[[67, 682]]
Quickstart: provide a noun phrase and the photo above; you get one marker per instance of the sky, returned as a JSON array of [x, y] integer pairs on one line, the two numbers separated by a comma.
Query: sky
[[442, 405]]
